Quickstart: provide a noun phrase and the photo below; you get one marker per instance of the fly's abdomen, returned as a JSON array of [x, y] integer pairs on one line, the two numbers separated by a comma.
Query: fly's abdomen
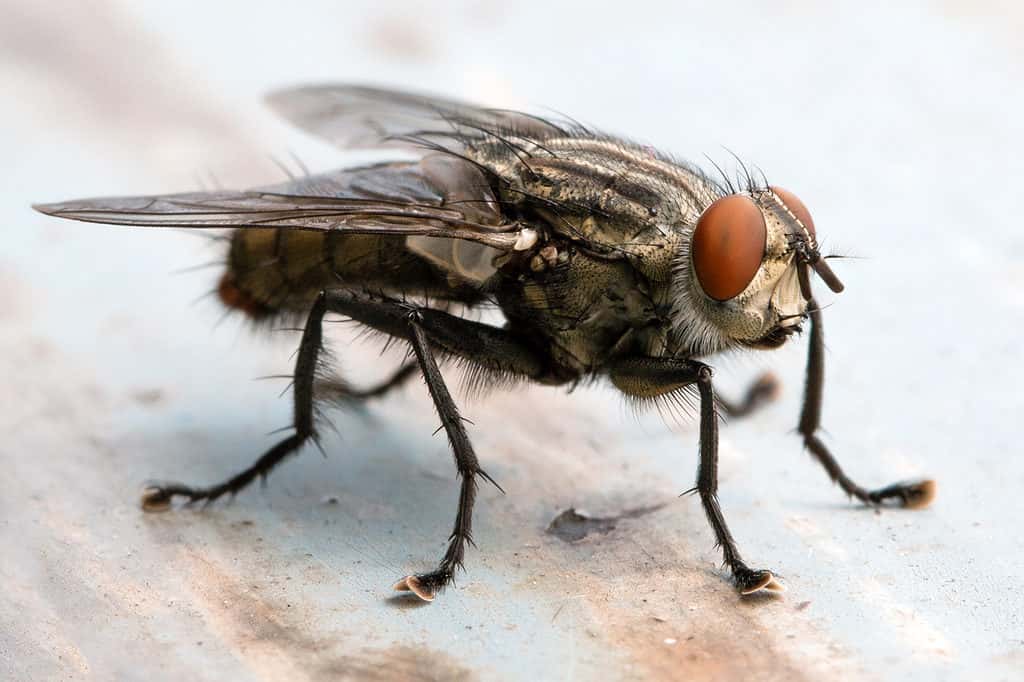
[[272, 270], [278, 270]]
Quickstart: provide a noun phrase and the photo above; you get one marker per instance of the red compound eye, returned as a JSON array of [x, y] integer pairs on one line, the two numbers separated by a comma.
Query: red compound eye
[[796, 206], [728, 246]]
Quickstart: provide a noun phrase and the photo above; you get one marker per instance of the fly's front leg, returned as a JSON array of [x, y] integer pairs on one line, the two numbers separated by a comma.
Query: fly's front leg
[[429, 331], [910, 494], [652, 377], [158, 497]]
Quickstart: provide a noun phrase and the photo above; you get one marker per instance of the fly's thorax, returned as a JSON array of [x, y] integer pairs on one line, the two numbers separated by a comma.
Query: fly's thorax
[[735, 275], [611, 195], [582, 308]]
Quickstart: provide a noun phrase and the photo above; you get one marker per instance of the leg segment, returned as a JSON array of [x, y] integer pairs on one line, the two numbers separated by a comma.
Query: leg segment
[[340, 392], [764, 390], [158, 497], [425, 585], [650, 377], [491, 348], [488, 348], [911, 494]]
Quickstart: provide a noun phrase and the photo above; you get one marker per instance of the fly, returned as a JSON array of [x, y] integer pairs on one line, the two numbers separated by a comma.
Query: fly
[[606, 258]]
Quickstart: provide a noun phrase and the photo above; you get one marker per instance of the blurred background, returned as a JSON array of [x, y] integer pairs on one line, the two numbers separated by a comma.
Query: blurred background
[[898, 126]]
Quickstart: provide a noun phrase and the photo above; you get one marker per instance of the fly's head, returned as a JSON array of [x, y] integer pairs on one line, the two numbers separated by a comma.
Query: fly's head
[[742, 278]]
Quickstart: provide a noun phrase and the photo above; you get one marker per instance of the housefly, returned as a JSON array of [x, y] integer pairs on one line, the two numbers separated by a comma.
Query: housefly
[[606, 258]]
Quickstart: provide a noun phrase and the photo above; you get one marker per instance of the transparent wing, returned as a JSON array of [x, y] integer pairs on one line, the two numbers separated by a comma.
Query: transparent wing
[[352, 116], [439, 196]]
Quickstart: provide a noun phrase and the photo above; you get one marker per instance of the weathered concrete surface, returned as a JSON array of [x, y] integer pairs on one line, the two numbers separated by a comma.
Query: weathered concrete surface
[[900, 128]]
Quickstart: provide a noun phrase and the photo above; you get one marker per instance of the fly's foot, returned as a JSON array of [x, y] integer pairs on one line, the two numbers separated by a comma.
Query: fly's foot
[[749, 581], [424, 585], [157, 497], [760, 393], [908, 494], [766, 389]]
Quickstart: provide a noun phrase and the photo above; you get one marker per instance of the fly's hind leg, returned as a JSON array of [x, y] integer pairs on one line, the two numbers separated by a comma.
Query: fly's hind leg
[[430, 332], [911, 494], [426, 585], [158, 497], [652, 377]]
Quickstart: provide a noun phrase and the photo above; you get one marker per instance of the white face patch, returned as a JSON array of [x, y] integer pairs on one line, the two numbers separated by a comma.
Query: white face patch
[[787, 300]]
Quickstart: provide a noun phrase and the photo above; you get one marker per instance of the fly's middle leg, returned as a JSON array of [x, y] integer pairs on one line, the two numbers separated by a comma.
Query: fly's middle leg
[[429, 332], [425, 585]]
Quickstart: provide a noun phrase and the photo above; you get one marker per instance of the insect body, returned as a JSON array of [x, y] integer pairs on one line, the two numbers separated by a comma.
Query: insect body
[[606, 259]]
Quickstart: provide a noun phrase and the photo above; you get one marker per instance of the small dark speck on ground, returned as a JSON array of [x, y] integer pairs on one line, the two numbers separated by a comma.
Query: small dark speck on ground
[[572, 525], [149, 397]]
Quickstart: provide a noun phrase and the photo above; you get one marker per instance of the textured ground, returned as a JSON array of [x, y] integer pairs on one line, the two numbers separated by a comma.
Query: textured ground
[[899, 128]]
